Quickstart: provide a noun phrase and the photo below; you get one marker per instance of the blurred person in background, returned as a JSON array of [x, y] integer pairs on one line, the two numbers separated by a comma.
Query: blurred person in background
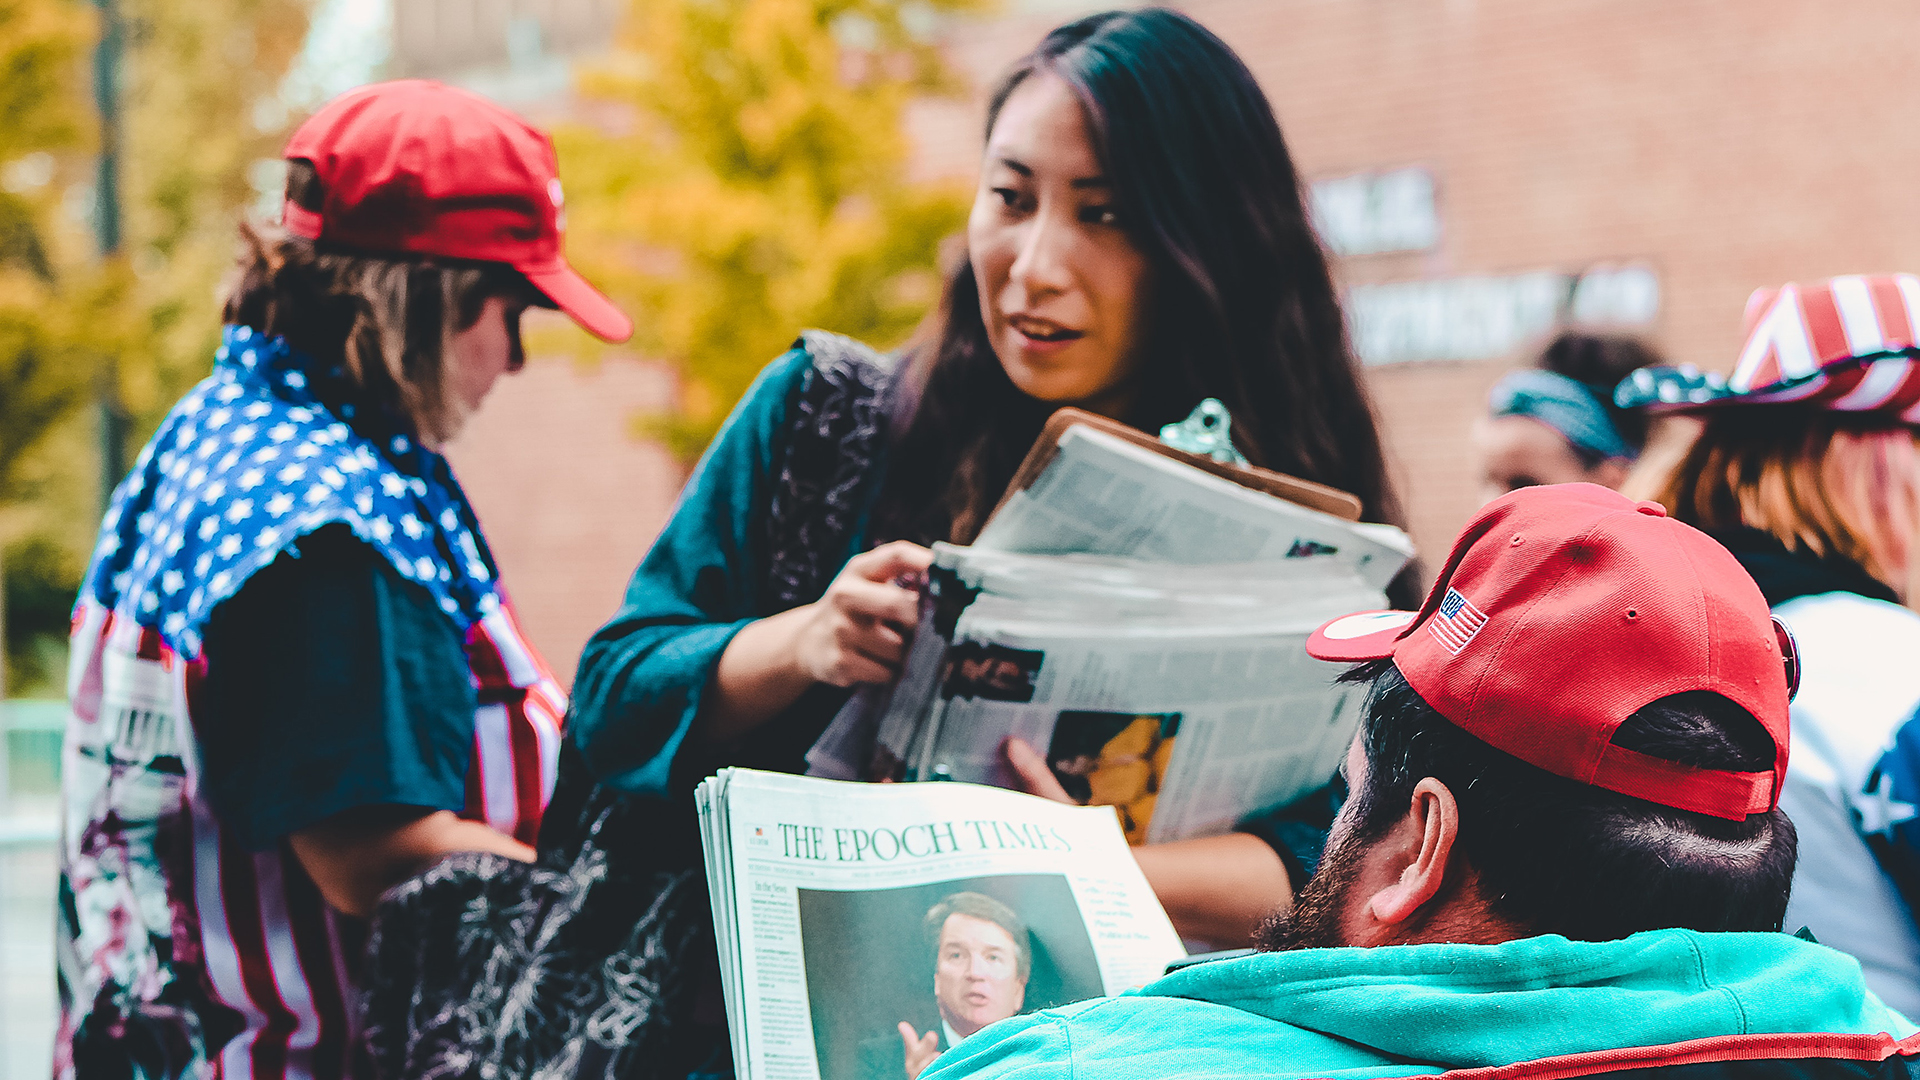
[[1807, 469], [1556, 422], [296, 680], [1137, 243]]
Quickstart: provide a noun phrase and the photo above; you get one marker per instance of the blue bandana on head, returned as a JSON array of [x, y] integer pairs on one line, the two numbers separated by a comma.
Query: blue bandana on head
[[1563, 404], [257, 456]]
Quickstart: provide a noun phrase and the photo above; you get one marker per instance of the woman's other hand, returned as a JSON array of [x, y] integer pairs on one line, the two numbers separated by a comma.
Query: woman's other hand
[[1217, 889], [1036, 778], [856, 633]]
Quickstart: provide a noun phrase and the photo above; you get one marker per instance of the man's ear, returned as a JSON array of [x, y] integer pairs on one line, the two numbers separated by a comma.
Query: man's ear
[[1422, 847]]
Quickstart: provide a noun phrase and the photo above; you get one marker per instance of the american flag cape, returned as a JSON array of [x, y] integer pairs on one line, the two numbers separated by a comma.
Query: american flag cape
[[182, 954]]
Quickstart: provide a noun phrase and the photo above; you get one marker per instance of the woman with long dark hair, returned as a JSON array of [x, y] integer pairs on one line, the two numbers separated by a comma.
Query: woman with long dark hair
[[1139, 189], [1137, 243]]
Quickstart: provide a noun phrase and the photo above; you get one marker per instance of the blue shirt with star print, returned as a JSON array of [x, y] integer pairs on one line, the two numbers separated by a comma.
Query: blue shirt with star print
[[326, 568]]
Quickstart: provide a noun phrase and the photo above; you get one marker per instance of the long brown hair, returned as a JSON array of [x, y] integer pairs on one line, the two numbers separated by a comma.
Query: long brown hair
[[1244, 304], [389, 320], [1826, 483]]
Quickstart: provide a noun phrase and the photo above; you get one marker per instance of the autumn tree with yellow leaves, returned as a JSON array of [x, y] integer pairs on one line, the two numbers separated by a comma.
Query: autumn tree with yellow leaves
[[136, 326], [44, 372], [761, 185]]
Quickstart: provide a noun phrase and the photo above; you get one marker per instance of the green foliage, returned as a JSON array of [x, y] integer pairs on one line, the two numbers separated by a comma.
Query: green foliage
[[40, 579], [195, 70], [760, 186], [143, 322], [41, 382], [42, 44]]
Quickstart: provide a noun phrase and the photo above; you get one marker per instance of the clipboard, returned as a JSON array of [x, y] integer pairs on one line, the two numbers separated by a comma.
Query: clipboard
[[1327, 500]]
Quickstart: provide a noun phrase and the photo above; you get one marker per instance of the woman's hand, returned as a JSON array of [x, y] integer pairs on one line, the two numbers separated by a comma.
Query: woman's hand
[[1218, 889], [1036, 778], [858, 632]]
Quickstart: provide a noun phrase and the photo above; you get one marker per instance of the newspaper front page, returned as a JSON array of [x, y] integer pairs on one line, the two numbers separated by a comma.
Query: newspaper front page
[[1101, 495], [856, 919]]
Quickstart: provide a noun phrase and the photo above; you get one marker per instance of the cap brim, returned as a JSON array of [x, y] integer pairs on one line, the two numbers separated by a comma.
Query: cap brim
[[1368, 635], [585, 304]]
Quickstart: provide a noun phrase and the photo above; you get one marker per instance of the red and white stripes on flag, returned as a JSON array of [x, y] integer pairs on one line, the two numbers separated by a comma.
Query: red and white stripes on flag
[[1456, 623], [1845, 343], [516, 732], [251, 927]]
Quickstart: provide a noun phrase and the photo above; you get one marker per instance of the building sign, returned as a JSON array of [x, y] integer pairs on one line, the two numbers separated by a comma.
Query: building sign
[[1484, 318], [1376, 212]]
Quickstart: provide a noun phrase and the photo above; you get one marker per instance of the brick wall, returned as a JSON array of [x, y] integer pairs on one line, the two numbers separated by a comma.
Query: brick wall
[[570, 499], [1725, 145]]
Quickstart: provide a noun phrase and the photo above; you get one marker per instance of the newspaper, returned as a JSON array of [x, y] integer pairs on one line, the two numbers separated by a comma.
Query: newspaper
[[1101, 495], [863, 925], [1141, 623], [1181, 696]]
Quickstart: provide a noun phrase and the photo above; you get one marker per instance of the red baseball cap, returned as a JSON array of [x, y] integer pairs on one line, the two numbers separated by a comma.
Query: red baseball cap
[[1564, 609], [420, 168]]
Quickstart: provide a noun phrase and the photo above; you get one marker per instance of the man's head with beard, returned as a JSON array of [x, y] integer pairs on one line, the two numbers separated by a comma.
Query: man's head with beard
[[1581, 733]]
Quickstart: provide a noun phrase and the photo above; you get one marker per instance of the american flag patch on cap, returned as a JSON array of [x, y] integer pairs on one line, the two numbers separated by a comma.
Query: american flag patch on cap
[[1456, 622]]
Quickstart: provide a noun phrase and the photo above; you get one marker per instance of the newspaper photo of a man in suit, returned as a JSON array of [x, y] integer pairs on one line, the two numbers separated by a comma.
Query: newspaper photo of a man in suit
[[983, 959]]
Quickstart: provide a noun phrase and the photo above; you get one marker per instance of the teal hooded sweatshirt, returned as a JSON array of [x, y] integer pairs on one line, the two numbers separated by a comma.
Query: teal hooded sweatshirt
[[1409, 1010]]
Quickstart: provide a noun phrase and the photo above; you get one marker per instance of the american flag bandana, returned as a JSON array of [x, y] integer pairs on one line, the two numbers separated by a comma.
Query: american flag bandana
[[1456, 623], [252, 459]]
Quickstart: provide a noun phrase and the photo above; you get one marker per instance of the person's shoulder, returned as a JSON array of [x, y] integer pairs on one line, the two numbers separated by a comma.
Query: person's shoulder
[[1855, 653], [1030, 1046], [1859, 621], [1132, 1035], [832, 353], [839, 358], [818, 365]]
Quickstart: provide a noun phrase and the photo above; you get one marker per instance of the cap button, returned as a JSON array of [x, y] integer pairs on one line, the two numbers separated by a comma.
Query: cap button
[[1651, 508]]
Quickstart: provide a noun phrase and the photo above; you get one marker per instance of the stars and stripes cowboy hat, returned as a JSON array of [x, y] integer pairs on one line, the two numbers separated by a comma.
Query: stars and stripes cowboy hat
[[1847, 344]]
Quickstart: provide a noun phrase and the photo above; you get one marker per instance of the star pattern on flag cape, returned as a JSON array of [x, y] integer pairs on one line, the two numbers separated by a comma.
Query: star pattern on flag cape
[[250, 461]]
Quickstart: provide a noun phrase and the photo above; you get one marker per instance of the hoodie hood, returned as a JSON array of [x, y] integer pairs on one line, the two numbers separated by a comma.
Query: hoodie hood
[[1466, 1006]]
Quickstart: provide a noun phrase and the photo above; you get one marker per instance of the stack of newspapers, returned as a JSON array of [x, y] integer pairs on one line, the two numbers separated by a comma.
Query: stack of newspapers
[[1140, 622], [1136, 615], [865, 928]]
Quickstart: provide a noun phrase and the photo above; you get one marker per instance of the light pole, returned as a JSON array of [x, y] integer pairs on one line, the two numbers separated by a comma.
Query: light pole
[[106, 225]]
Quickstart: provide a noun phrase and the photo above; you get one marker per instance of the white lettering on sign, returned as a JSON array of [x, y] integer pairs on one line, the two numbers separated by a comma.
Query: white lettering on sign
[[1616, 296], [1376, 212], [1482, 318]]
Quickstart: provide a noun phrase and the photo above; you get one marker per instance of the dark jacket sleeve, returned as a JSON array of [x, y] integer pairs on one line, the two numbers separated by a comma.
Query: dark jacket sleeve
[[642, 675]]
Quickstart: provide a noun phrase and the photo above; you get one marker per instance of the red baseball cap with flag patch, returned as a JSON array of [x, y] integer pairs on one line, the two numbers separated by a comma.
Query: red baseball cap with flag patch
[[1848, 344], [418, 168], [1564, 609]]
